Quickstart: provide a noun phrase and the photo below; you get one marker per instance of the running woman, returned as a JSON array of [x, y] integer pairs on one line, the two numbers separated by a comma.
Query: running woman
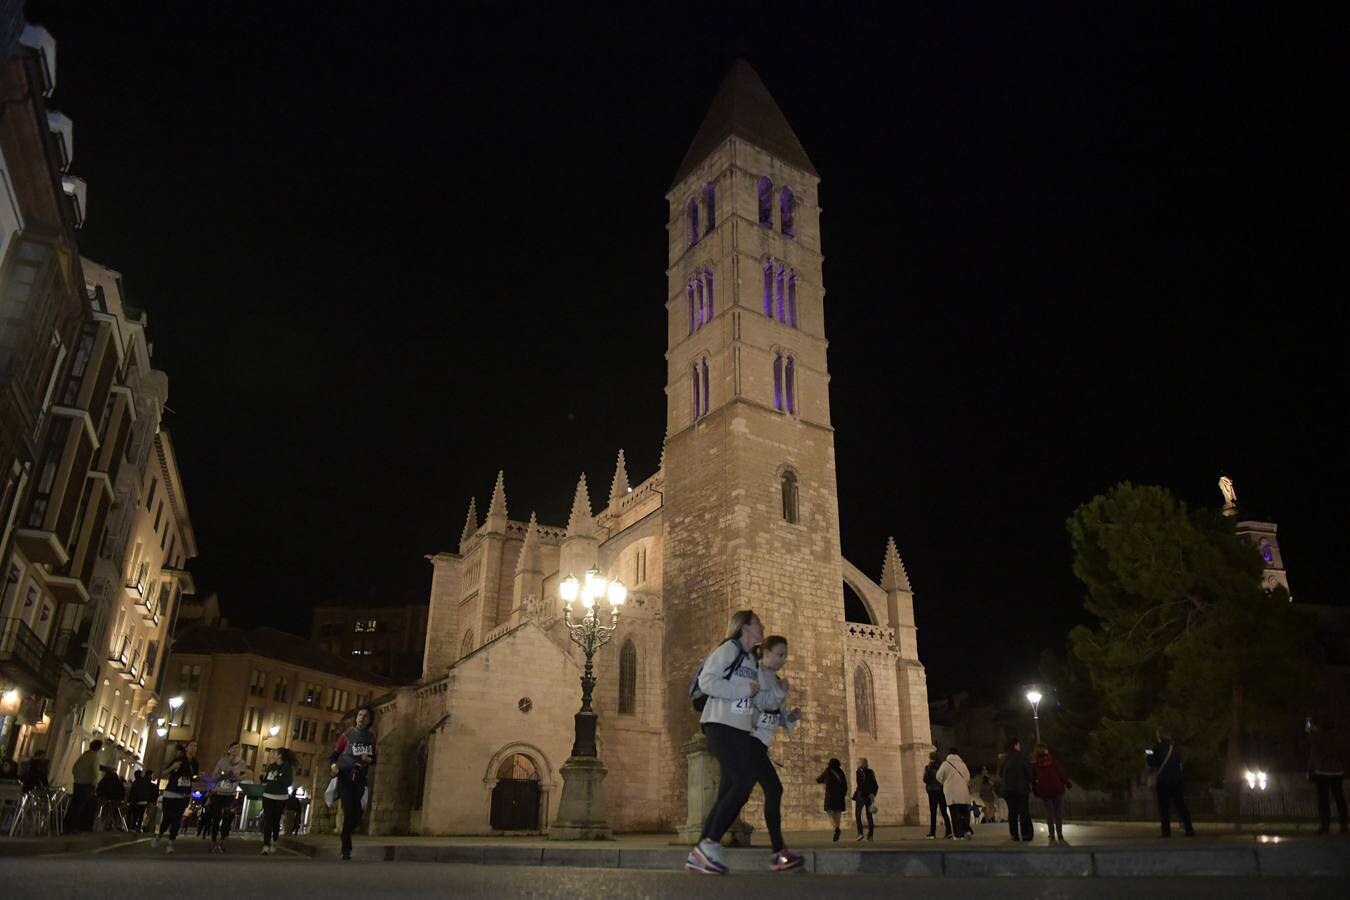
[[180, 774], [276, 788], [771, 702], [350, 762], [730, 680], [220, 806]]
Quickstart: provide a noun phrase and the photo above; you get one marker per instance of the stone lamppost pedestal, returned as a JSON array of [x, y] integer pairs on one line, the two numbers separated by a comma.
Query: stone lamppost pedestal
[[582, 812]]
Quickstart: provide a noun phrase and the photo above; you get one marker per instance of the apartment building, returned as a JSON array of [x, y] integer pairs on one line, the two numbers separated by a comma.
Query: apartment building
[[387, 641], [264, 688]]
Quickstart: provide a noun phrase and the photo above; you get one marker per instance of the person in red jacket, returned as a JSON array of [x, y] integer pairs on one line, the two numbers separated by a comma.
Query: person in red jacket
[[1050, 783]]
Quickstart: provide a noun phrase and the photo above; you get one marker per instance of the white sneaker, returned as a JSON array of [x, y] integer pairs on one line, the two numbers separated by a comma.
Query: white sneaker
[[170, 850], [267, 849], [713, 850], [154, 843]]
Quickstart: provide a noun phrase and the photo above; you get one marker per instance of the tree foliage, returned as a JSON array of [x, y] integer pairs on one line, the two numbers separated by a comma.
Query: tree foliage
[[1186, 636]]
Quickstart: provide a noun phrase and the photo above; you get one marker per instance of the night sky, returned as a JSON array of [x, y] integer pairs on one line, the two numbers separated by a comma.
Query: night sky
[[384, 248]]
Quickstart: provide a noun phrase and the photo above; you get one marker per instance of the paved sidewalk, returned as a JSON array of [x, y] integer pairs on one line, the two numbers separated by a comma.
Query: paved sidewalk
[[1115, 850], [74, 843]]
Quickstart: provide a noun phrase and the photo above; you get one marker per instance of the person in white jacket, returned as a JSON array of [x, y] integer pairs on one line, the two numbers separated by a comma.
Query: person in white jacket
[[954, 776], [729, 679], [226, 775], [771, 701]]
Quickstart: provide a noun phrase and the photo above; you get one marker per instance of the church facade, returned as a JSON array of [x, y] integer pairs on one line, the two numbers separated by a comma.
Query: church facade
[[742, 513]]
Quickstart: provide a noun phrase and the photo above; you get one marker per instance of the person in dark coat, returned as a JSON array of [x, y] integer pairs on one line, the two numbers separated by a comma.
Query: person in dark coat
[[1326, 772], [33, 774], [142, 794], [864, 795], [111, 792], [936, 800], [836, 789], [1165, 760], [1017, 777]]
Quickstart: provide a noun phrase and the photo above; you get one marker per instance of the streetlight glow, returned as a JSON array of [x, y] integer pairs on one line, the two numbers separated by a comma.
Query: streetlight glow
[[162, 731], [617, 593], [273, 731], [175, 702], [595, 584], [1034, 697], [568, 589]]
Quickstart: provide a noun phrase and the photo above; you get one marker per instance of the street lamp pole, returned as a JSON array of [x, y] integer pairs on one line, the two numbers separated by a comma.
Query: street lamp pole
[[582, 813], [1034, 698]]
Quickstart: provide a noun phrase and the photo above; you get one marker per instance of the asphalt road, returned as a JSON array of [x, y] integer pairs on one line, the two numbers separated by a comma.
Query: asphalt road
[[136, 873]]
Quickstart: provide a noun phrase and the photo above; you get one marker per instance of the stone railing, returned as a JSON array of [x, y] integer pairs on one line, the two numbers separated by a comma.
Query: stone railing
[[871, 637]]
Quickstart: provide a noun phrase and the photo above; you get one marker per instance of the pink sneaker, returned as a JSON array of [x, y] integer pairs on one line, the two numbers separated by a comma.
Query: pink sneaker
[[785, 859]]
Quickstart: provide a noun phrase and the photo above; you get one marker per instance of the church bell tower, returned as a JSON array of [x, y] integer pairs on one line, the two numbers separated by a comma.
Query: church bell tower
[[751, 505]]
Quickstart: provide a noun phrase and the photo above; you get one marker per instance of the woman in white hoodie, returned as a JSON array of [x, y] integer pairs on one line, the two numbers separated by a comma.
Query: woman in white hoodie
[[954, 776], [729, 679], [771, 701]]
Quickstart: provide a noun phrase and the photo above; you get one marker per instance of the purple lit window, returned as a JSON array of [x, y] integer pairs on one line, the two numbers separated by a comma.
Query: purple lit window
[[693, 222], [768, 289], [789, 385], [705, 386], [766, 201], [696, 391], [778, 381], [708, 286], [702, 313], [792, 299], [710, 206], [1266, 553], [782, 274], [691, 308], [785, 211]]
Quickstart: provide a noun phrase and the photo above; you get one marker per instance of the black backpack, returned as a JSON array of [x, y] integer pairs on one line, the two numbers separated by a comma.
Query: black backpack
[[697, 698]]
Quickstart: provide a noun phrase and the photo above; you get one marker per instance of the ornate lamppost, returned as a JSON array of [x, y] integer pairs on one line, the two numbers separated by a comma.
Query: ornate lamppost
[[582, 811]]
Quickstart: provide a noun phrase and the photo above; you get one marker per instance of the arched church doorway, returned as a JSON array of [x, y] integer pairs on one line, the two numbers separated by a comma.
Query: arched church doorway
[[515, 799]]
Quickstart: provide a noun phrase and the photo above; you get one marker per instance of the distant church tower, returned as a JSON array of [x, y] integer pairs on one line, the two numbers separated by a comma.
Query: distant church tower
[[752, 513]]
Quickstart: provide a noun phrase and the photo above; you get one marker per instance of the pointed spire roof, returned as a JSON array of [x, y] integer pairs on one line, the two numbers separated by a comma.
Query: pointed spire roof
[[528, 560], [497, 508], [580, 523], [743, 107], [893, 574], [470, 524], [619, 486]]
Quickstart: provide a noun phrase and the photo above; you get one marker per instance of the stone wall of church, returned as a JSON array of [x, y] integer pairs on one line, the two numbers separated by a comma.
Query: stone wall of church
[[877, 732]]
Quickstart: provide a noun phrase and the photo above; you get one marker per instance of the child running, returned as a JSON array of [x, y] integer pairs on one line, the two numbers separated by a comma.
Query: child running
[[350, 761], [729, 679], [276, 789], [180, 773], [771, 700]]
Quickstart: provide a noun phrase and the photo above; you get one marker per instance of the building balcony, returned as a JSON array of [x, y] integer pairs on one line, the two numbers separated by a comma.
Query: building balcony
[[26, 661], [146, 607], [67, 589], [119, 662], [41, 545]]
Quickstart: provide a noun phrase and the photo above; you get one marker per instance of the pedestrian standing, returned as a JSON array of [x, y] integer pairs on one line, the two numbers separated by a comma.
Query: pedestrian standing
[[112, 793], [350, 762], [1165, 758], [988, 798], [180, 774], [1017, 776], [836, 790], [1049, 783], [954, 776], [226, 774], [865, 790], [771, 701], [83, 805], [729, 681], [276, 791], [936, 799], [1326, 772]]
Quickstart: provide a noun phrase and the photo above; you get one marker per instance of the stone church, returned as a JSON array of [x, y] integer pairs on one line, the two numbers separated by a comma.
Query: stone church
[[742, 513]]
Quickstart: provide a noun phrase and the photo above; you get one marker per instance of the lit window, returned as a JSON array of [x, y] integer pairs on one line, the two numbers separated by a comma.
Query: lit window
[[766, 201], [785, 210]]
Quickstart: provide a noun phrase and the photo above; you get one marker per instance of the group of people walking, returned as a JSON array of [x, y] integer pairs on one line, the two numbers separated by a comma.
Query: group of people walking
[[948, 785], [864, 795]]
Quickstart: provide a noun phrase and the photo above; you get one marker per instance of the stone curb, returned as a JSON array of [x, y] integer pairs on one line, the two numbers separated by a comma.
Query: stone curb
[[1330, 861], [10, 847]]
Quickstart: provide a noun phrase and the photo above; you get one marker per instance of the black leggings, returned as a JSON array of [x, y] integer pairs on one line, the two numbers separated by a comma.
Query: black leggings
[[734, 753], [937, 802], [220, 811], [350, 792], [860, 807], [271, 823], [171, 815], [767, 776]]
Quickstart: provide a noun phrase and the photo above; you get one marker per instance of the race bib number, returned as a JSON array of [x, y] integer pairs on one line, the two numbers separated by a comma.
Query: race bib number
[[770, 719], [745, 704]]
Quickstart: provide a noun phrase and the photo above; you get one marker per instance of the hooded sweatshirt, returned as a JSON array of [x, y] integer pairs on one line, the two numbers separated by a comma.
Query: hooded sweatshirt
[[227, 773], [181, 773], [276, 780], [351, 745], [771, 703], [955, 780], [729, 699]]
